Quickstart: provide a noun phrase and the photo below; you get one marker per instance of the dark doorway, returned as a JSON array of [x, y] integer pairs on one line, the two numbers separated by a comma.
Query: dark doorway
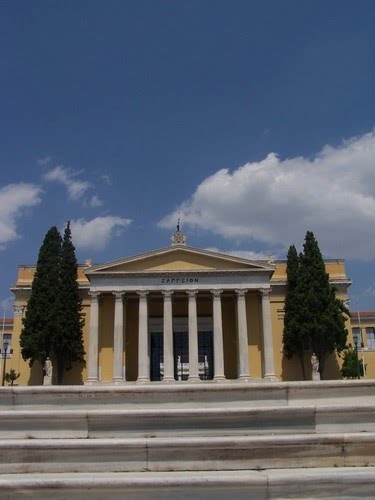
[[205, 356], [181, 355], [156, 355]]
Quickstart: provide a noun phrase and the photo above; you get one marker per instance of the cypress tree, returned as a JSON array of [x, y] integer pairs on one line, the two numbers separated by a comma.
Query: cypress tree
[[320, 313], [43, 306], [293, 340], [67, 341]]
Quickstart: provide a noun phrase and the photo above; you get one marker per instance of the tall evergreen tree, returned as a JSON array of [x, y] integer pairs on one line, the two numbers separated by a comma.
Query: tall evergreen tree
[[320, 313], [42, 309], [293, 340], [67, 341]]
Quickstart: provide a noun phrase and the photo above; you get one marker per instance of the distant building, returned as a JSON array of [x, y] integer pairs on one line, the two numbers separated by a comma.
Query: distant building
[[363, 336], [6, 326], [179, 313]]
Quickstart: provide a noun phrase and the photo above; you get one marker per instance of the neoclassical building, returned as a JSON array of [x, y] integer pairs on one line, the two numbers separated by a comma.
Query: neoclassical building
[[178, 314]]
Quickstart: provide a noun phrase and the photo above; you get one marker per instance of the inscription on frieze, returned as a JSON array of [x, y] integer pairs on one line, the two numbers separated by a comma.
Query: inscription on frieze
[[176, 281]]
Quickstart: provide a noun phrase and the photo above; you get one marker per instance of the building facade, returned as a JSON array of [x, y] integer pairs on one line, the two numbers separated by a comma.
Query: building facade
[[363, 338], [179, 314]]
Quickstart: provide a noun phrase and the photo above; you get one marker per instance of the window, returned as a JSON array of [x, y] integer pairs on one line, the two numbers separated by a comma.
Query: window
[[370, 336], [7, 339], [357, 336]]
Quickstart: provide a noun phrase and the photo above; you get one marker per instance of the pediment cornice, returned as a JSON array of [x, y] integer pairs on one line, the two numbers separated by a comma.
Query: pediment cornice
[[240, 265]]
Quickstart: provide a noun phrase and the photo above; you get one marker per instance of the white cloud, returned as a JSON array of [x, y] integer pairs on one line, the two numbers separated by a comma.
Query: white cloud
[[43, 161], [276, 201], [95, 201], [14, 201], [96, 233], [76, 188], [244, 254]]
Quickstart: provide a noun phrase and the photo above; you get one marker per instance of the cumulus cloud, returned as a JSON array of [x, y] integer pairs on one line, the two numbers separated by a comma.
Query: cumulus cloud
[[15, 199], [275, 201], [96, 233], [76, 188]]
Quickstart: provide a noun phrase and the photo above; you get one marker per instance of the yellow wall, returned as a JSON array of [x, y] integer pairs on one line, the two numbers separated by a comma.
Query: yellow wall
[[366, 319]]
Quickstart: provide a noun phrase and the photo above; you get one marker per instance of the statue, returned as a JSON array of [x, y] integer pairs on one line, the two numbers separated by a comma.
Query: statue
[[178, 238], [315, 367], [48, 371]]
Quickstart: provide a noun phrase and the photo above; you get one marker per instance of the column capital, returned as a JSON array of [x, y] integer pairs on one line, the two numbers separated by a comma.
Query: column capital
[[118, 295], [142, 294], [265, 292], [167, 293], [192, 294], [94, 294], [217, 293], [241, 292], [18, 310]]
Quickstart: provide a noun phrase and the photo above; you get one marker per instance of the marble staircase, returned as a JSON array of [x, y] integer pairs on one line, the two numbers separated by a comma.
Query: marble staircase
[[246, 440]]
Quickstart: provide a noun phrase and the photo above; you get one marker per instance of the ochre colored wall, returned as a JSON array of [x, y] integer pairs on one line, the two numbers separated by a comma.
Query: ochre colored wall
[[366, 319], [254, 334]]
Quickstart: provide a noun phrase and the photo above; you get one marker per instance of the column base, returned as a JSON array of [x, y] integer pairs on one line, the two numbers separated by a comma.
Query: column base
[[92, 381], [142, 380], [220, 378], [118, 380], [271, 377], [244, 378], [169, 380], [194, 379]]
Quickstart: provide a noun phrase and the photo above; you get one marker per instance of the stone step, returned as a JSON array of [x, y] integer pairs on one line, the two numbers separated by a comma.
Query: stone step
[[188, 395], [187, 454], [113, 423], [322, 483]]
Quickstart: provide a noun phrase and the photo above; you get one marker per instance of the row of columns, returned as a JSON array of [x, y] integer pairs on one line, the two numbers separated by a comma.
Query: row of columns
[[143, 337]]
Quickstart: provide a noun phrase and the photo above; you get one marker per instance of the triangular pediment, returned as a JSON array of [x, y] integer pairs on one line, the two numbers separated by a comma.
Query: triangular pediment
[[180, 258]]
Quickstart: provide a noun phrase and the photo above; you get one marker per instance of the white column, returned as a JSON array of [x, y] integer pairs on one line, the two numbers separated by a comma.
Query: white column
[[168, 337], [218, 336], [93, 364], [143, 348], [193, 337], [242, 342], [118, 338], [269, 366]]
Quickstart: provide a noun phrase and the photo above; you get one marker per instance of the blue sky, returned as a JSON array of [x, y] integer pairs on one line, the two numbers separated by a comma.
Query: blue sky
[[255, 119]]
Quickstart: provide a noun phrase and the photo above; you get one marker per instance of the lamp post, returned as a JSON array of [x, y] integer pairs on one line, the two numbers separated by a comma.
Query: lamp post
[[363, 360], [361, 338], [356, 358], [5, 346]]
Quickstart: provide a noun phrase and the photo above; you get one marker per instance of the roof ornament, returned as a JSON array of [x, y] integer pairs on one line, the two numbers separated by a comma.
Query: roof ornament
[[178, 238]]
